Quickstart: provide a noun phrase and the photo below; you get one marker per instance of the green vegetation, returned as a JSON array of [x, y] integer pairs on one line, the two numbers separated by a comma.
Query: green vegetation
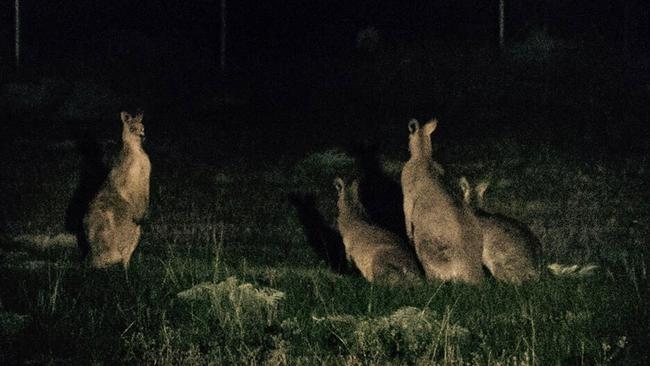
[[223, 276]]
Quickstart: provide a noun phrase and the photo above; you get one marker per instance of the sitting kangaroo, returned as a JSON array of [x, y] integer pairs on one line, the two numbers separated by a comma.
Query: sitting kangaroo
[[510, 250], [112, 223], [446, 234], [380, 256]]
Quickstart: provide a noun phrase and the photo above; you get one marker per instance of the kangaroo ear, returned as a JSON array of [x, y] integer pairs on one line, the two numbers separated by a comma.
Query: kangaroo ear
[[413, 126], [338, 184], [126, 117], [438, 168], [430, 126], [354, 187], [138, 117], [480, 191], [464, 186]]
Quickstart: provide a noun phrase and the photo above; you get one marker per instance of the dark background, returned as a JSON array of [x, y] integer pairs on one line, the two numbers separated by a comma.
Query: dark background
[[67, 28], [295, 65]]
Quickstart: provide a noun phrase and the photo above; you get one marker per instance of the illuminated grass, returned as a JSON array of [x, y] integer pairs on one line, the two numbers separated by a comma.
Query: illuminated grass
[[227, 227]]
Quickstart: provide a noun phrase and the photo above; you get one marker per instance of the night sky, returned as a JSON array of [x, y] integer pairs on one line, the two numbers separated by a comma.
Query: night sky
[[293, 59]]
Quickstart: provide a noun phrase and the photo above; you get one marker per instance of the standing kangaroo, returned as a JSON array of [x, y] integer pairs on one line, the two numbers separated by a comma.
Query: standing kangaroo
[[380, 256], [445, 233], [510, 250], [112, 224]]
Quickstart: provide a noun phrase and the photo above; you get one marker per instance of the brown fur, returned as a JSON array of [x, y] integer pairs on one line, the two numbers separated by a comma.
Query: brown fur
[[444, 232], [510, 250], [112, 224], [380, 255]]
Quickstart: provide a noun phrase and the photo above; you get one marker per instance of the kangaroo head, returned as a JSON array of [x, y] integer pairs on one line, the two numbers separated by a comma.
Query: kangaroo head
[[467, 191], [339, 184], [348, 196], [132, 127], [420, 137]]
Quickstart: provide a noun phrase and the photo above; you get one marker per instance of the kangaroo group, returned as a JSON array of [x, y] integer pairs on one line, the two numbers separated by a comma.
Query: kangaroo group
[[440, 237], [392, 233]]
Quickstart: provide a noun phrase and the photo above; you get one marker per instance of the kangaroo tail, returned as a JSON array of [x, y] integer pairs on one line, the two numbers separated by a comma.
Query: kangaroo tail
[[572, 270]]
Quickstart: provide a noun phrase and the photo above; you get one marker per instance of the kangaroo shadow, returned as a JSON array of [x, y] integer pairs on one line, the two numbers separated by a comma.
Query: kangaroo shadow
[[379, 194], [93, 171], [325, 240]]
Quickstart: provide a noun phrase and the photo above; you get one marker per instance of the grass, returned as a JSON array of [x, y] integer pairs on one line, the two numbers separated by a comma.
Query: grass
[[222, 274]]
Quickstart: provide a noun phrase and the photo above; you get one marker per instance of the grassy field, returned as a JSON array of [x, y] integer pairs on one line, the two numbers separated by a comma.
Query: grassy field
[[223, 275]]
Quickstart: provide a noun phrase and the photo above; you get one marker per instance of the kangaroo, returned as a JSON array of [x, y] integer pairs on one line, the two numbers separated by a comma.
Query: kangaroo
[[380, 195], [510, 250], [112, 223], [379, 255], [445, 232], [324, 239]]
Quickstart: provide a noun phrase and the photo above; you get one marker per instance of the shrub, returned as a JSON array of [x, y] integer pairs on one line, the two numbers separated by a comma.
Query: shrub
[[408, 334], [242, 310]]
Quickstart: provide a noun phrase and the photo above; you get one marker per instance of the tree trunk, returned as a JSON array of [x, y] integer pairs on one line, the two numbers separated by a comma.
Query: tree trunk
[[17, 33], [222, 55], [502, 24], [626, 29]]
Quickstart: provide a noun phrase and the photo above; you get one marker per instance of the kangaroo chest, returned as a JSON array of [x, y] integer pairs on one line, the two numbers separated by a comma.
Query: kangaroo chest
[[133, 178]]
